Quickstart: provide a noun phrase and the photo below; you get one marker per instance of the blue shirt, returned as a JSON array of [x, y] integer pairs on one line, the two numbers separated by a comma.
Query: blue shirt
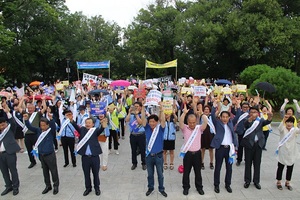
[[159, 142], [68, 130]]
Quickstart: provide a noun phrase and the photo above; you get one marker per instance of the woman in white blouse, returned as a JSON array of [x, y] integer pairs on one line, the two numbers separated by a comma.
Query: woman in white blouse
[[287, 150]]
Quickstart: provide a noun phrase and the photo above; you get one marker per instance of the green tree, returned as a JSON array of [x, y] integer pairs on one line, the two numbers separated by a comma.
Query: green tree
[[284, 80], [251, 73]]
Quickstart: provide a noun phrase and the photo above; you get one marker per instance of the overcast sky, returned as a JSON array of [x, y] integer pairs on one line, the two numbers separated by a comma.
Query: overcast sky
[[120, 11]]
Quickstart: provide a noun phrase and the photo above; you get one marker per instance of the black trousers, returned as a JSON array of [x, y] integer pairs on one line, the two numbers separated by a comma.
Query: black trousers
[[289, 172], [121, 122], [240, 149], [192, 159], [91, 163], [68, 143], [252, 156], [49, 164], [138, 141], [8, 167], [266, 134], [221, 154], [113, 136], [55, 140], [30, 140]]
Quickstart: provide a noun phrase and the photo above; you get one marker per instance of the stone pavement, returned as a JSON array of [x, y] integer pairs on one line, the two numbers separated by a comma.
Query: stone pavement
[[119, 182]]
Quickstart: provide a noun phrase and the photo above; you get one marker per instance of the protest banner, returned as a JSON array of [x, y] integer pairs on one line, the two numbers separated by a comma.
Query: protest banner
[[139, 93], [199, 91], [153, 98], [226, 90], [98, 108], [186, 90], [167, 106], [241, 88]]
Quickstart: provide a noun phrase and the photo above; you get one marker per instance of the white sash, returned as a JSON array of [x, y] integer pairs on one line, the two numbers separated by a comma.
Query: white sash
[[243, 116], [252, 128], [39, 140], [211, 125], [152, 139], [62, 128], [31, 118], [18, 121], [4, 132], [285, 139], [84, 139], [232, 154], [189, 143]]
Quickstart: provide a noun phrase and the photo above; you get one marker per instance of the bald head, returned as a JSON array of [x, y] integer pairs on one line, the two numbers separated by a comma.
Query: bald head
[[192, 121]]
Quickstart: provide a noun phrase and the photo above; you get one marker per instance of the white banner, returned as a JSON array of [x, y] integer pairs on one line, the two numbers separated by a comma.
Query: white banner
[[199, 91], [153, 98]]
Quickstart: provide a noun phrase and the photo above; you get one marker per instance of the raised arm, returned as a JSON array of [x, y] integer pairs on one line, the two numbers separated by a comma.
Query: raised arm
[[282, 112], [297, 108], [204, 122], [181, 120], [143, 116], [162, 118], [269, 106]]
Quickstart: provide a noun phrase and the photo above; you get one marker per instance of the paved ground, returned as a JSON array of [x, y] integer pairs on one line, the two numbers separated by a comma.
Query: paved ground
[[120, 183]]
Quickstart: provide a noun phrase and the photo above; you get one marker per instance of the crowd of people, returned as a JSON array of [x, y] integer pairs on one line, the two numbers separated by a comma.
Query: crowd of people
[[228, 125]]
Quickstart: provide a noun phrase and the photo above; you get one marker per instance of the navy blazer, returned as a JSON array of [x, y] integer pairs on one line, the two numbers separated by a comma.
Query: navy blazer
[[9, 142], [220, 130], [46, 146], [92, 142], [240, 129], [249, 140]]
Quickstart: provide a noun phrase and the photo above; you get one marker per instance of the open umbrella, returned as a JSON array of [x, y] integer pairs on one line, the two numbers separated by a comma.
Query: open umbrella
[[223, 82], [35, 83], [120, 83], [5, 94], [39, 97], [98, 91], [265, 86], [132, 87]]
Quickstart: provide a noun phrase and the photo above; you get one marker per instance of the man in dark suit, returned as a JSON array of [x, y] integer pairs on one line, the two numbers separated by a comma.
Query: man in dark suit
[[223, 141], [90, 152], [8, 149], [253, 143], [46, 151]]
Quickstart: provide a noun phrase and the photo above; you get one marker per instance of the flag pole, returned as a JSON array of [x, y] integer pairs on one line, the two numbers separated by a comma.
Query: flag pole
[[145, 69]]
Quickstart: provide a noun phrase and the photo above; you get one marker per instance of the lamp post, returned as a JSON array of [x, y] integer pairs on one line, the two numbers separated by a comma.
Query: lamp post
[[68, 70]]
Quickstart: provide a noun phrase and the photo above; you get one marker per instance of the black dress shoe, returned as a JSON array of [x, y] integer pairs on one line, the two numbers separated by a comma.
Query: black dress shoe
[[7, 190], [144, 167], [217, 189], [246, 185], [74, 165], [200, 191], [149, 192], [257, 185], [238, 163], [97, 192], [46, 190], [185, 192], [65, 165], [228, 188], [133, 167], [86, 192], [163, 193], [31, 165], [55, 190], [15, 191]]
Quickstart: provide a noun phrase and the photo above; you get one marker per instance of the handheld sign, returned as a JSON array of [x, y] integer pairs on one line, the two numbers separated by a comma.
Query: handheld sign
[[199, 91], [153, 98]]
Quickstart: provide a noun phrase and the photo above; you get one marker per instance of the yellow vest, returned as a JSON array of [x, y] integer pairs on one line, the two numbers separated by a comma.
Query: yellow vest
[[115, 120], [265, 128], [129, 101], [123, 113]]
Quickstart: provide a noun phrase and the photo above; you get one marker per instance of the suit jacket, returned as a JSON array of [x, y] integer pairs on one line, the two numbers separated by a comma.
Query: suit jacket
[[220, 131], [92, 142], [9, 142], [46, 145], [240, 129], [249, 140]]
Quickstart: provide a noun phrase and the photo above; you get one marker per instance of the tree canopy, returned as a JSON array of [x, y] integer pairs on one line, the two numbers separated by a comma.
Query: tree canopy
[[213, 38]]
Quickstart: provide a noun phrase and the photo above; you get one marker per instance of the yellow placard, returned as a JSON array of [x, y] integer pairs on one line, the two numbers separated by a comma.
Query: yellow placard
[[241, 88], [186, 90], [59, 86], [226, 90], [218, 89], [167, 107], [66, 83], [233, 88]]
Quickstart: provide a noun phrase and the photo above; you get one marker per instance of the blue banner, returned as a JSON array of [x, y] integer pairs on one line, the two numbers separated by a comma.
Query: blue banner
[[98, 108], [93, 65]]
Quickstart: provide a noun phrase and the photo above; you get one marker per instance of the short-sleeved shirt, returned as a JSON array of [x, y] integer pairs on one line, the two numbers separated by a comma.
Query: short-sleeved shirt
[[187, 132], [159, 142]]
